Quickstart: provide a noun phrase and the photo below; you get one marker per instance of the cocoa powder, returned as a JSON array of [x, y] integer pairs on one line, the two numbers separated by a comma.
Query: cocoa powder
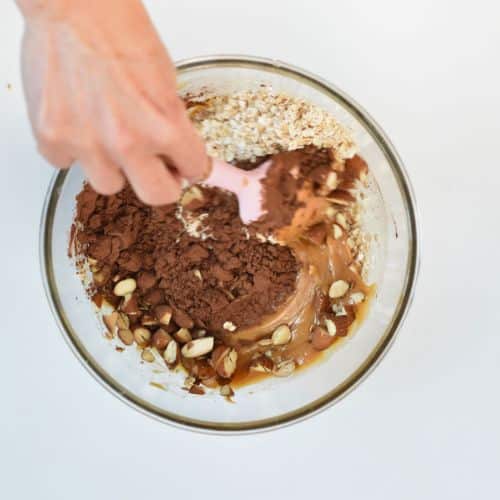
[[229, 277]]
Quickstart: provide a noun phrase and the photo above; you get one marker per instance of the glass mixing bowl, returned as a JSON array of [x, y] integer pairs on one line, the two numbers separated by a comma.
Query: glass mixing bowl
[[275, 402]]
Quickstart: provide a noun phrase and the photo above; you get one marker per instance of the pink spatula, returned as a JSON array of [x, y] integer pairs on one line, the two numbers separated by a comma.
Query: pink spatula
[[246, 185]]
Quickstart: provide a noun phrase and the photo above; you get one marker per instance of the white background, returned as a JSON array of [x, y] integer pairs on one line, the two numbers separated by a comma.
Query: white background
[[426, 423]]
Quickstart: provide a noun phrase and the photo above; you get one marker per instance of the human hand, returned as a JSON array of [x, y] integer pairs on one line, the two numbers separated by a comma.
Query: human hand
[[101, 90]]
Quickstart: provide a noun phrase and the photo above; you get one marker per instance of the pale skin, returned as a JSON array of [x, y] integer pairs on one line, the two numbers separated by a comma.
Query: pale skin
[[101, 91]]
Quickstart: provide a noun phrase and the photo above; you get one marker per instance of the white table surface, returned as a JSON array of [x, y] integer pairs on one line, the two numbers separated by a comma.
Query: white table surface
[[426, 423]]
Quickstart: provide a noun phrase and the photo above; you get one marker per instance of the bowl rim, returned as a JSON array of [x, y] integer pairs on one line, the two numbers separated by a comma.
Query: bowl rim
[[333, 396]]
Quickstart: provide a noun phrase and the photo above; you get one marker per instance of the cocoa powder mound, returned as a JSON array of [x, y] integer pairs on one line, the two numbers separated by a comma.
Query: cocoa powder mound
[[227, 277]]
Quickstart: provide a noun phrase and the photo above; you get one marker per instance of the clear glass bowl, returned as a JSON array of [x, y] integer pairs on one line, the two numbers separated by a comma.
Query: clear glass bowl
[[274, 402]]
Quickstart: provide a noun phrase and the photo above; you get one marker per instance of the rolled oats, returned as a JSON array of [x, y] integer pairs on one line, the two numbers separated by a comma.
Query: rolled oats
[[267, 123]]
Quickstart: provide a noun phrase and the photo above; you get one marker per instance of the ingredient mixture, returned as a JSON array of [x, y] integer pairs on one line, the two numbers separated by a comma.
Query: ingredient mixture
[[190, 284]]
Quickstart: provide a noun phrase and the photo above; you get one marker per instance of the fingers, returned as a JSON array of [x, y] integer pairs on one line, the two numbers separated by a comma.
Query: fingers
[[180, 143], [58, 157], [153, 183], [104, 176]]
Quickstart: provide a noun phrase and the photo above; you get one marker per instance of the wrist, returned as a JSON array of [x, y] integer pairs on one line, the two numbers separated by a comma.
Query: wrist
[[33, 9], [113, 27], [61, 9]]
